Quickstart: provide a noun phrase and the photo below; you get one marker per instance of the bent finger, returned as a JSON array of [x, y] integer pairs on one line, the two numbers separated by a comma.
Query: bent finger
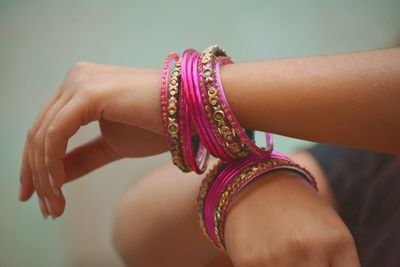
[[65, 124]]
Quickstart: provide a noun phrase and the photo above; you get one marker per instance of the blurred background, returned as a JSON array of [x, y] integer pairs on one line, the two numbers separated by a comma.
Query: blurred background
[[40, 40]]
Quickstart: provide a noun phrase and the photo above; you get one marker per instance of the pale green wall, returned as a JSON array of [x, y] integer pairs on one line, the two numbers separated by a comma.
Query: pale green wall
[[39, 40]]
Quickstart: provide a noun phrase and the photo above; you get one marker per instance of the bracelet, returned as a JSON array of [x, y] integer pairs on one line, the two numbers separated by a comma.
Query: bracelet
[[222, 185], [170, 95], [194, 96], [169, 108], [197, 112], [247, 143], [196, 160], [229, 134]]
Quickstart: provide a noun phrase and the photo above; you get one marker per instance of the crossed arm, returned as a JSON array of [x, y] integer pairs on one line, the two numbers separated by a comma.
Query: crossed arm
[[351, 100], [277, 221]]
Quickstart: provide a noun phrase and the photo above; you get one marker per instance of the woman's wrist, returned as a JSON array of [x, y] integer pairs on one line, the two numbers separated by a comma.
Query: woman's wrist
[[279, 220]]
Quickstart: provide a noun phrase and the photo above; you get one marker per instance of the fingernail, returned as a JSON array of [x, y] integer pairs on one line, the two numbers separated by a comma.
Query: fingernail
[[43, 208], [56, 191], [49, 208], [20, 192], [52, 181]]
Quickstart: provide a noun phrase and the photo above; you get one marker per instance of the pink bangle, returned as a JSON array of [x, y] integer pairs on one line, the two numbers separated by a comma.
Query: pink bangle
[[227, 131], [198, 161], [218, 127], [195, 96], [224, 183], [245, 141], [170, 87], [197, 111]]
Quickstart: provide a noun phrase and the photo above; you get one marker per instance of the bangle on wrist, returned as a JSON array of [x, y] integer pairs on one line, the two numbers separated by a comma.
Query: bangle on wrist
[[192, 95], [222, 185]]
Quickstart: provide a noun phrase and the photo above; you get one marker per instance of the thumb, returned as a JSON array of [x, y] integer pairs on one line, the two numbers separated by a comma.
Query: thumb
[[87, 158]]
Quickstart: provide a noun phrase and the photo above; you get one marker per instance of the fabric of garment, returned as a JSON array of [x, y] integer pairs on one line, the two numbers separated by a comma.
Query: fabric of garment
[[366, 186]]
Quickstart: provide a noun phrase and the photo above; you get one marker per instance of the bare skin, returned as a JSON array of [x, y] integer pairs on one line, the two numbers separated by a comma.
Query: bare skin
[[342, 97], [350, 100], [147, 224]]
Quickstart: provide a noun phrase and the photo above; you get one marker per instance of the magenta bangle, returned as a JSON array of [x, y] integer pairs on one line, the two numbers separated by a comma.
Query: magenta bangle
[[198, 161], [197, 99], [245, 141], [197, 112], [230, 136], [164, 90], [217, 193], [169, 109], [289, 165]]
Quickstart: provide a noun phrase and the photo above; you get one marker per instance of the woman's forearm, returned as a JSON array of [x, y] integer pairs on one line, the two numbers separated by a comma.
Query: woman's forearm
[[350, 99]]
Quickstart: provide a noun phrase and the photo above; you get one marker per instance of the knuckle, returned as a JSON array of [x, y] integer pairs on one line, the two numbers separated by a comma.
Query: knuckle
[[342, 241], [300, 245], [38, 140], [251, 259], [79, 66], [77, 74], [51, 132], [29, 135]]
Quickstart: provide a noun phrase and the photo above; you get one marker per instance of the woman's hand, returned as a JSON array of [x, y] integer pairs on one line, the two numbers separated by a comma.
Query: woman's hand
[[126, 103], [279, 220]]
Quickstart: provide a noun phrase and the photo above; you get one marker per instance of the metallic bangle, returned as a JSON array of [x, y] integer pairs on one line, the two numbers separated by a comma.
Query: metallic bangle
[[197, 112], [195, 156], [226, 180], [216, 120], [244, 140], [230, 135]]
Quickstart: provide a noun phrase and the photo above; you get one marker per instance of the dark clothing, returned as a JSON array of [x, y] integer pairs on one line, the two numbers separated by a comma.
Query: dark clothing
[[366, 186]]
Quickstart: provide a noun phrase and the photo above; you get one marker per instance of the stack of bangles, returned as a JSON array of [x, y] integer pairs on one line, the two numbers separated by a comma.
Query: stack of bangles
[[192, 97]]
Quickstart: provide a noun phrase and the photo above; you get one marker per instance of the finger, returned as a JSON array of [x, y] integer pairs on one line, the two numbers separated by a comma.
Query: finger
[[43, 208], [26, 188], [55, 204], [35, 177], [87, 158], [54, 201], [37, 153], [26, 178], [67, 122]]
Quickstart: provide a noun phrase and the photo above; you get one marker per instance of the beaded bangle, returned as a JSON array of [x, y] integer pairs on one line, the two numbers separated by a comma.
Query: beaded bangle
[[169, 108], [230, 136], [222, 185], [245, 141], [197, 112], [195, 95]]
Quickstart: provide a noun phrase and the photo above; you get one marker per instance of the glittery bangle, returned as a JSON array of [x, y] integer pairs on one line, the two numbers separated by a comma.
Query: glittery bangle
[[230, 135], [169, 107], [224, 183], [203, 191], [197, 112], [276, 162], [171, 125], [245, 141], [216, 120]]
